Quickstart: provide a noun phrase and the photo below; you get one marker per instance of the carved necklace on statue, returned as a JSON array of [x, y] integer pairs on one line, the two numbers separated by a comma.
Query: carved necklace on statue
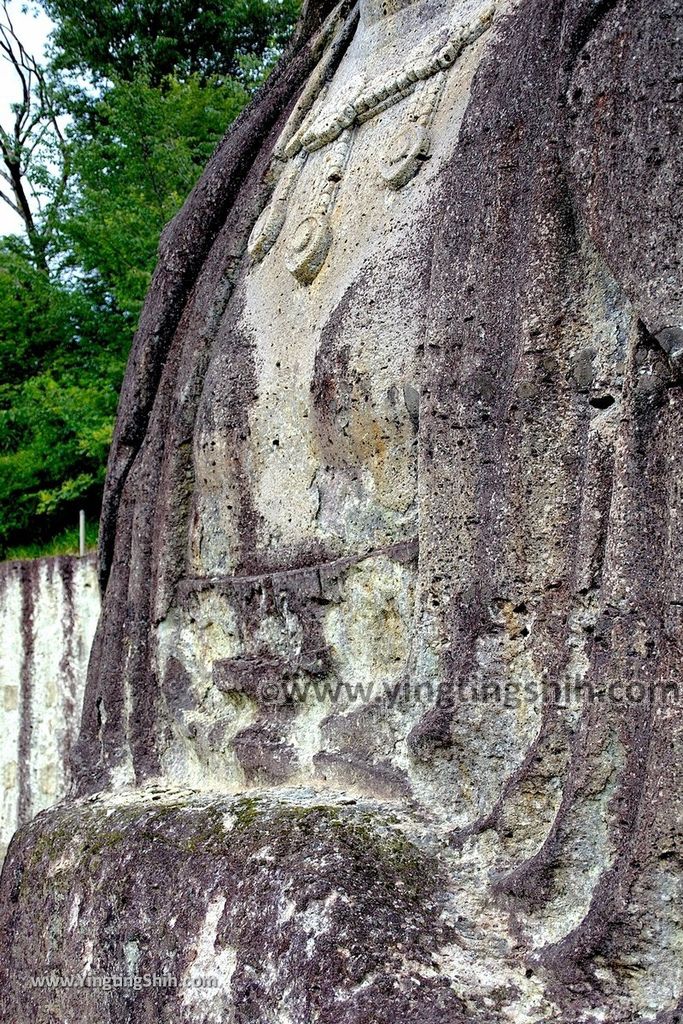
[[423, 78]]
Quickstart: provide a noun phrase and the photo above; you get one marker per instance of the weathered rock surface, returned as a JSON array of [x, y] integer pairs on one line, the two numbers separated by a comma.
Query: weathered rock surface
[[393, 516], [48, 613], [301, 910]]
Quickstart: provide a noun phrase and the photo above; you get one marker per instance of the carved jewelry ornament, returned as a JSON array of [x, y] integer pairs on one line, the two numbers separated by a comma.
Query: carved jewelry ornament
[[311, 241], [412, 144], [424, 77], [267, 228]]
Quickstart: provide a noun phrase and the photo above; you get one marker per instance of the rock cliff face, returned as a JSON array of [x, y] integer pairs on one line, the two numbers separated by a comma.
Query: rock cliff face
[[383, 718], [48, 613]]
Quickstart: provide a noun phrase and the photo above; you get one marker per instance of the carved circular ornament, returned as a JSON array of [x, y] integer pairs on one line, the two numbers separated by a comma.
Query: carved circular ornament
[[410, 149], [308, 248]]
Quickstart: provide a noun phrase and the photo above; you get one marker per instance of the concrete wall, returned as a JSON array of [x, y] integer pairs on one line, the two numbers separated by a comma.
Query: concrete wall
[[48, 613]]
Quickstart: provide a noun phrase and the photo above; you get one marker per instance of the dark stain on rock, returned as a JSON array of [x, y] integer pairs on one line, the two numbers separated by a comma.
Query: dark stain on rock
[[29, 572]]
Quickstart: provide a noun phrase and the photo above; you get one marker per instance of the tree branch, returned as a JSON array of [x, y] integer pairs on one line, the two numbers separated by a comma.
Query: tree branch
[[9, 202], [36, 118]]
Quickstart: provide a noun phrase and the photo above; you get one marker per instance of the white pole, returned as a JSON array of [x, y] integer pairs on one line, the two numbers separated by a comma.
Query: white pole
[[81, 533]]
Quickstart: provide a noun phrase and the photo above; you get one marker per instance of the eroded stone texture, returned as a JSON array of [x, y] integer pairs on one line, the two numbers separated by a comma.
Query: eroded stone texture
[[334, 911], [48, 614], [393, 516]]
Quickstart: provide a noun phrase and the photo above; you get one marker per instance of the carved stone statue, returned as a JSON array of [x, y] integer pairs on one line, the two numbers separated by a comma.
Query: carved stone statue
[[383, 718]]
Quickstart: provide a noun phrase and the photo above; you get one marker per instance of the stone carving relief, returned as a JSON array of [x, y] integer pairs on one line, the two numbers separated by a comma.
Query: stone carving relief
[[392, 521], [423, 79]]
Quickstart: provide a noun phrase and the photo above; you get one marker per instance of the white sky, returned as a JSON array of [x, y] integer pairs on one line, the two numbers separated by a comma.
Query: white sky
[[32, 26]]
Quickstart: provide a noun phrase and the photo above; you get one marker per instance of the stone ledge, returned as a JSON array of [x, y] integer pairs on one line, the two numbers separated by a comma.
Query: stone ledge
[[304, 907]]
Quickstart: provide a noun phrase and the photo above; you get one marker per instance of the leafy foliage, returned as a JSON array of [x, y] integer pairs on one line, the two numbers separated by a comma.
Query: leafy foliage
[[60, 376], [134, 163], [65, 543], [119, 40]]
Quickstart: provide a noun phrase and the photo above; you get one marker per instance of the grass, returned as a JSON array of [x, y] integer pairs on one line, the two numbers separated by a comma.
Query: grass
[[65, 543]]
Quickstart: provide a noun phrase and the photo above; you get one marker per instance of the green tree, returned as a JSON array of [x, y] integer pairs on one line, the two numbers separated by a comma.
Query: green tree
[[119, 39], [133, 165], [61, 364]]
